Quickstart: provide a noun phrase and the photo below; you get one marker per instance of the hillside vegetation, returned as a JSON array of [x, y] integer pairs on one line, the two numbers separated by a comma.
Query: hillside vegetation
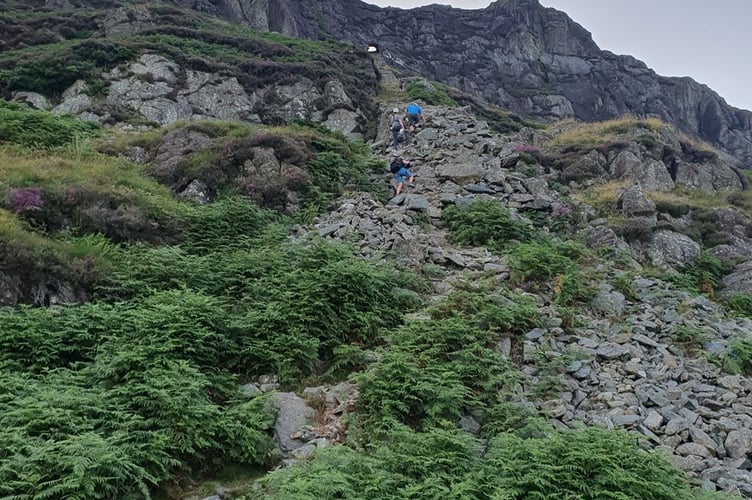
[[146, 334], [136, 390]]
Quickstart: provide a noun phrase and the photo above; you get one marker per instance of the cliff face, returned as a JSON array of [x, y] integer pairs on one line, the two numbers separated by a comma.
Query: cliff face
[[515, 53]]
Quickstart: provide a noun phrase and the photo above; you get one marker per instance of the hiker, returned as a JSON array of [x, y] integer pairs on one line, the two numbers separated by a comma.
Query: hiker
[[399, 168], [414, 115], [402, 85], [395, 125]]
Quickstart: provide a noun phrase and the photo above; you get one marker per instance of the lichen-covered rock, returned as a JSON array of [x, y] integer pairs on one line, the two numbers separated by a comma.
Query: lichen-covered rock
[[176, 146], [740, 279], [645, 171], [673, 249], [634, 202], [707, 176]]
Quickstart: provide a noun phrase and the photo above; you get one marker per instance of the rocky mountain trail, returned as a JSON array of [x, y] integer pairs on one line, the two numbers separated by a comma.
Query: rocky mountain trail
[[634, 363]]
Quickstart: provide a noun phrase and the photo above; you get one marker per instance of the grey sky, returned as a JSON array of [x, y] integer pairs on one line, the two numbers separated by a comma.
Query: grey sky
[[706, 40]]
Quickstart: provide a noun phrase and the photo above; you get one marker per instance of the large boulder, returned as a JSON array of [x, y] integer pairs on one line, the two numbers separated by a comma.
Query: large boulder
[[673, 249], [740, 280], [708, 176], [176, 146], [645, 171]]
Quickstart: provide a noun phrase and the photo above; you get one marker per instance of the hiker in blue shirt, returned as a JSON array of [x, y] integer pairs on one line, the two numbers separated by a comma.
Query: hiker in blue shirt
[[401, 172], [414, 115]]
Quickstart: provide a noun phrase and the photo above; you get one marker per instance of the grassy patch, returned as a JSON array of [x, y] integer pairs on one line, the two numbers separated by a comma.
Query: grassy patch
[[601, 132], [602, 197], [91, 193], [23, 126], [430, 93]]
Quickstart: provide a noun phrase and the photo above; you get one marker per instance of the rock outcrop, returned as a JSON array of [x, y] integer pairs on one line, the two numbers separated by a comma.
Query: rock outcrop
[[516, 54], [158, 90]]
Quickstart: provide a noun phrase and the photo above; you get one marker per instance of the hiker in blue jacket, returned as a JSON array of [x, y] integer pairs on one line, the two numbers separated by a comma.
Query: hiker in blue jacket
[[401, 174], [395, 125], [414, 115]]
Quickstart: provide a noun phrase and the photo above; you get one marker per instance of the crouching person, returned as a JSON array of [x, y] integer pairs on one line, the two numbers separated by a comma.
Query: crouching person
[[400, 168]]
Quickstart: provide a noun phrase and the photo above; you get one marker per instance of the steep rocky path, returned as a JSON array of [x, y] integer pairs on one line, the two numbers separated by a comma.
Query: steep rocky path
[[620, 365]]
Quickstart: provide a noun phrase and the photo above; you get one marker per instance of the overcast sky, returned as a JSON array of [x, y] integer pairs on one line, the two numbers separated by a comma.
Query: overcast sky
[[708, 40]]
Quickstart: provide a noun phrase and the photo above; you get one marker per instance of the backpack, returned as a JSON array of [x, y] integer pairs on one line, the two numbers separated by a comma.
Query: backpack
[[413, 109], [395, 124], [396, 165]]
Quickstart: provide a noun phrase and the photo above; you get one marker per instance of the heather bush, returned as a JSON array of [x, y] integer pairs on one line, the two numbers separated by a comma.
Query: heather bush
[[25, 199], [50, 69]]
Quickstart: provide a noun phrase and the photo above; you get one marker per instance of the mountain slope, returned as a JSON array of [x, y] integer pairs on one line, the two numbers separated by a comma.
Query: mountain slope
[[516, 54], [555, 312]]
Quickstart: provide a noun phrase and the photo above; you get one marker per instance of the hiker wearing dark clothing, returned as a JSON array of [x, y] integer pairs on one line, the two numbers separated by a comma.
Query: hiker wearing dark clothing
[[395, 125], [398, 167], [414, 115]]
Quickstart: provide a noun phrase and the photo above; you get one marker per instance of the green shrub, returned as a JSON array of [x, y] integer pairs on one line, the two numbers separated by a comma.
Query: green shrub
[[623, 282], [489, 310], [293, 307], [430, 93], [429, 373], [584, 464], [485, 223], [287, 309], [587, 464], [738, 359], [573, 288], [403, 388], [688, 336], [26, 127], [739, 304], [327, 171], [404, 464], [307, 302], [225, 223], [243, 432], [550, 367], [179, 324], [145, 384], [542, 261], [36, 340], [61, 436], [700, 276], [514, 418]]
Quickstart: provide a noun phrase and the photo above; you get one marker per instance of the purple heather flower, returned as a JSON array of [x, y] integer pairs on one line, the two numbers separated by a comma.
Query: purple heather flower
[[560, 210], [524, 148], [25, 199]]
